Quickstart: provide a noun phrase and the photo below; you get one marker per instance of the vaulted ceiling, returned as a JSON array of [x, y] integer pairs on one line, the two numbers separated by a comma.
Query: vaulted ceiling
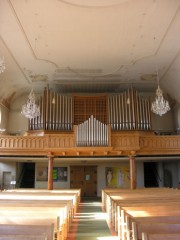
[[96, 46]]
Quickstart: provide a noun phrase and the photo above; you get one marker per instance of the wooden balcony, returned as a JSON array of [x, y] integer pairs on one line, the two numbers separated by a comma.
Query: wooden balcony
[[121, 143]]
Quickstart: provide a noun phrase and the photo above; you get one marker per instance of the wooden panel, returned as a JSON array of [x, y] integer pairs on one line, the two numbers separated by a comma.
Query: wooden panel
[[85, 106], [122, 143]]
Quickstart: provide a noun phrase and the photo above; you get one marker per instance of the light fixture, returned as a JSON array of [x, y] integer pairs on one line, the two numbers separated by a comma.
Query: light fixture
[[31, 109], [160, 106], [2, 65], [2, 130]]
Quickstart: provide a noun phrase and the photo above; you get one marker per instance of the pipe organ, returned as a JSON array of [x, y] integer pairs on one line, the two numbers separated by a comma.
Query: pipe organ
[[129, 111], [92, 133], [124, 111], [56, 112]]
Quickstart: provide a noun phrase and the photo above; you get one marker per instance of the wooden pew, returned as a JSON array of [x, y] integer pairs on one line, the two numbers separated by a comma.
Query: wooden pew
[[70, 192], [150, 227], [22, 237], [36, 215], [38, 194], [122, 199], [138, 203], [28, 231], [124, 193], [34, 200], [161, 236], [44, 196], [125, 227]]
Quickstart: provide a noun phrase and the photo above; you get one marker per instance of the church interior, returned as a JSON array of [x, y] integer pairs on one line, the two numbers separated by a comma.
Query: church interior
[[89, 101]]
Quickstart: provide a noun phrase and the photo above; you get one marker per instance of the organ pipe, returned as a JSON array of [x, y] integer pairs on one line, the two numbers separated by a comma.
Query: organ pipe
[[126, 111], [92, 133], [129, 111], [56, 112]]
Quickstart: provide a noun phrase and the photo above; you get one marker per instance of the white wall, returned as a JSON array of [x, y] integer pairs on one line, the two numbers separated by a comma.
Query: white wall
[[7, 167], [56, 185], [177, 118], [17, 123], [173, 168], [139, 174], [162, 123]]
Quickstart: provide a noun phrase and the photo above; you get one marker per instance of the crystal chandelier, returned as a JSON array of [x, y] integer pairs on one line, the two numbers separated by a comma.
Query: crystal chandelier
[[2, 65], [160, 106], [31, 109]]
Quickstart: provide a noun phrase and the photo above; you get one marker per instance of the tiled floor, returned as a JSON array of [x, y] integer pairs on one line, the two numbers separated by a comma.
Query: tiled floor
[[90, 223]]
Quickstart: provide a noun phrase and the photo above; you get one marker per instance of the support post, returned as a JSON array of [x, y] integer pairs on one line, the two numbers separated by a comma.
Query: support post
[[50, 171], [132, 172]]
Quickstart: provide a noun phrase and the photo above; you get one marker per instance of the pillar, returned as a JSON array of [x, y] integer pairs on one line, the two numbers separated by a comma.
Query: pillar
[[132, 172], [50, 171]]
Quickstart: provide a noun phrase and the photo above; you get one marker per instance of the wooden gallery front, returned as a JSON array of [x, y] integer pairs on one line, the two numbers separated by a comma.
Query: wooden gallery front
[[90, 142]]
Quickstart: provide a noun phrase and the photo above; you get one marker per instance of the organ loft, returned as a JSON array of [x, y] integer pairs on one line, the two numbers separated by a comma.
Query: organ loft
[[92, 115], [105, 126]]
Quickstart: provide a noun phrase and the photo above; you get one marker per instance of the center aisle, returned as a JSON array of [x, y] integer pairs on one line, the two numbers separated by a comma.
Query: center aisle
[[90, 222]]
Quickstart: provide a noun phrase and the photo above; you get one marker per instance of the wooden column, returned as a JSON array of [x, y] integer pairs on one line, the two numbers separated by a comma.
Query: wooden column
[[50, 171], [132, 172]]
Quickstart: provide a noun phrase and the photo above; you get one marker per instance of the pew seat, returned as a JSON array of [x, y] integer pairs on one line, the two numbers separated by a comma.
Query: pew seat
[[153, 227], [17, 231], [161, 236]]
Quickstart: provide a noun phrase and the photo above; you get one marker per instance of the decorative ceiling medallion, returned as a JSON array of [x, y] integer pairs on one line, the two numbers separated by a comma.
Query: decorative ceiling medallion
[[94, 3]]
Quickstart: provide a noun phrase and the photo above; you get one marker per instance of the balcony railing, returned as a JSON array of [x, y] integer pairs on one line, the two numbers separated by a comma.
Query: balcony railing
[[120, 143]]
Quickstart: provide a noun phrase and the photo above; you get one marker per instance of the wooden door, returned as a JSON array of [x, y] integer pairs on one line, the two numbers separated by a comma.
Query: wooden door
[[84, 177], [77, 178], [90, 183]]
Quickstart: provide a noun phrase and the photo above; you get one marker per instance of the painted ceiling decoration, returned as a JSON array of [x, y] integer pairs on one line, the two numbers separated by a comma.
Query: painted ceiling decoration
[[90, 46]]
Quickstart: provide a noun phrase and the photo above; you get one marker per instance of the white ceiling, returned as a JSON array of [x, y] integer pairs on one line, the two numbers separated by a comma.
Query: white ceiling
[[96, 46]]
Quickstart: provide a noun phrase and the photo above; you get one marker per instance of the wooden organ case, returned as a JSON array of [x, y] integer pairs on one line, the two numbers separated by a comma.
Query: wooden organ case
[[92, 115]]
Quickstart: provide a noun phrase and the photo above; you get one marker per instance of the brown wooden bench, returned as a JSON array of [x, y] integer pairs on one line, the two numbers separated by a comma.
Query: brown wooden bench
[[39, 208], [151, 227], [28, 231], [124, 228], [115, 197], [72, 192], [22, 237], [65, 207], [161, 236], [37, 194], [36, 215], [119, 203]]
